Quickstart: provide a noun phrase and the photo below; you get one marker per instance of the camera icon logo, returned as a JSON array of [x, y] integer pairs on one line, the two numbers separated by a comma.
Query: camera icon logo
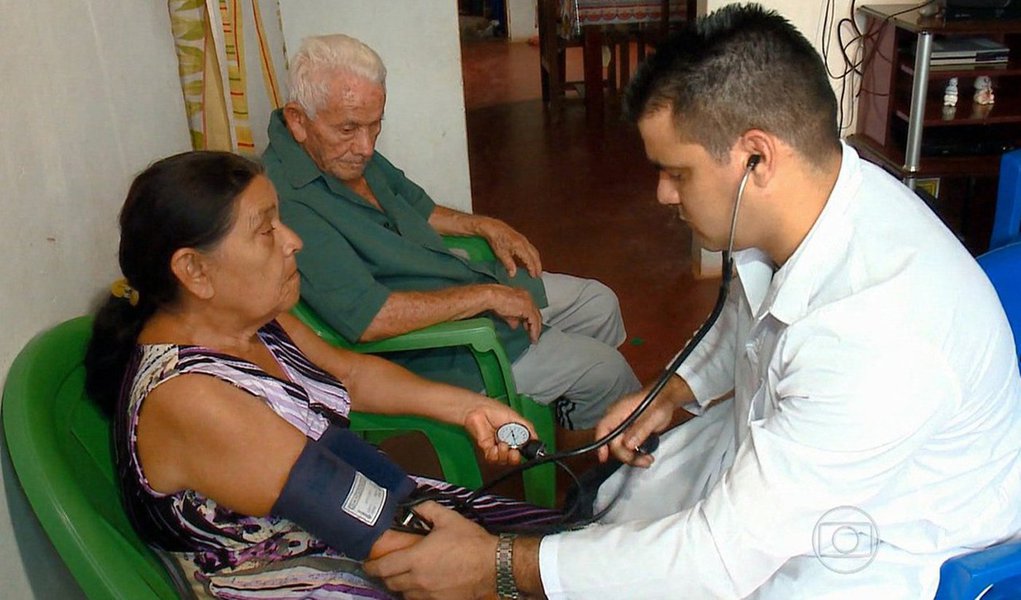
[[845, 539]]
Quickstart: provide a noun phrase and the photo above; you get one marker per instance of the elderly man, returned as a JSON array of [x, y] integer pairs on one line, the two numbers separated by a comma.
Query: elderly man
[[866, 368], [374, 265]]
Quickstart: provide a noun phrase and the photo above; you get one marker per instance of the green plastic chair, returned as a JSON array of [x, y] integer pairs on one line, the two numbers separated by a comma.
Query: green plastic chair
[[454, 447], [60, 444]]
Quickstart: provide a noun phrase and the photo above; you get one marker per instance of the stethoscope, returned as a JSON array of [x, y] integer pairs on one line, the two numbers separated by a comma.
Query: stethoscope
[[517, 436]]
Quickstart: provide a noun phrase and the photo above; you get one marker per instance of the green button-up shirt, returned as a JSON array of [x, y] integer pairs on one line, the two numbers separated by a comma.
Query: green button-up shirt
[[355, 255]]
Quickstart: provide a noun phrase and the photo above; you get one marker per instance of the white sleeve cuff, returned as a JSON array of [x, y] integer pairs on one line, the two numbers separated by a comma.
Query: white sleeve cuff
[[549, 574], [701, 388]]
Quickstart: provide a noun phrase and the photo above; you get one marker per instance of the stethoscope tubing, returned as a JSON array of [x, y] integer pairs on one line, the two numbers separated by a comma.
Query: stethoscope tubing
[[669, 371]]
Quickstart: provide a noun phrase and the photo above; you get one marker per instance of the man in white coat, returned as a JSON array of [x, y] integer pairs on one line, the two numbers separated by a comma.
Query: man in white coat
[[859, 399]]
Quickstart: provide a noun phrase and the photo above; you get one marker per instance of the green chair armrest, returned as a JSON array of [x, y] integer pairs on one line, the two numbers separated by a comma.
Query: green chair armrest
[[455, 450], [452, 443], [476, 248], [478, 334]]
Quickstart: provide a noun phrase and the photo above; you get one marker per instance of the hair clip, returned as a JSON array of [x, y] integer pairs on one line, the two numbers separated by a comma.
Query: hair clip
[[121, 289]]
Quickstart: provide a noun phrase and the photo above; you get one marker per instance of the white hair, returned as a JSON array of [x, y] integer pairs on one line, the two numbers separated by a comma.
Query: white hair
[[326, 55]]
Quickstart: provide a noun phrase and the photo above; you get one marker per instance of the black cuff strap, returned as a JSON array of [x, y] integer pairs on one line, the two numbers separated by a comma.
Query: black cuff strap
[[335, 502]]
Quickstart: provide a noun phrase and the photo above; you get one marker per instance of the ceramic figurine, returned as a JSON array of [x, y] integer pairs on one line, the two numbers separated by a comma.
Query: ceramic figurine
[[950, 93], [984, 90]]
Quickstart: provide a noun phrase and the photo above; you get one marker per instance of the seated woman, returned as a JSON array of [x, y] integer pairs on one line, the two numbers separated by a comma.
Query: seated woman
[[230, 415]]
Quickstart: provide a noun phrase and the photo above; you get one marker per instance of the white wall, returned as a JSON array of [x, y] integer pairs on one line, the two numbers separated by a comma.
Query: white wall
[[808, 17], [424, 127], [521, 23], [90, 96]]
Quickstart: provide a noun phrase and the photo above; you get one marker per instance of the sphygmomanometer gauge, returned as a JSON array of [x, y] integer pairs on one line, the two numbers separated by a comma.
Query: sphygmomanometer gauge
[[514, 435]]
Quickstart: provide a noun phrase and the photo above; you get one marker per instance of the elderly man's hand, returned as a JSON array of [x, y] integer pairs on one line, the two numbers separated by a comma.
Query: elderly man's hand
[[456, 560], [516, 307], [511, 247]]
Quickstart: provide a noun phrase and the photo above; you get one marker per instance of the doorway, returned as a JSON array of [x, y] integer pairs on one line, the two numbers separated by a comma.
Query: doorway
[[482, 19]]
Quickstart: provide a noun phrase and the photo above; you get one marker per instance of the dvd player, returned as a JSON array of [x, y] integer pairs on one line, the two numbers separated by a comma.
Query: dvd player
[[980, 10]]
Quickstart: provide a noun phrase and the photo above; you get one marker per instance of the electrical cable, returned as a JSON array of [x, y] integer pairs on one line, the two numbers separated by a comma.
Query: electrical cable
[[856, 64]]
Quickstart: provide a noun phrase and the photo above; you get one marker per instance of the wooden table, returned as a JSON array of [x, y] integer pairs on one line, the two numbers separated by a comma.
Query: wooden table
[[587, 20], [581, 13]]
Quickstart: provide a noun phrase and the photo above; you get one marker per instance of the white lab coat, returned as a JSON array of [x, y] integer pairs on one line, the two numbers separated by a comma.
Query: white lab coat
[[874, 370]]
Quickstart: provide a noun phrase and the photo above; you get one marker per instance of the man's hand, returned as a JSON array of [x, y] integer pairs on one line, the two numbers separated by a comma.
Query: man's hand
[[511, 247], [482, 420], [456, 560], [392, 541], [516, 307], [655, 419]]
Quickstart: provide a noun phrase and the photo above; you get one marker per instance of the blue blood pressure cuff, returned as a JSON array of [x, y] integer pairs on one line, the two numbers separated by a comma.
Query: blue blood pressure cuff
[[344, 491]]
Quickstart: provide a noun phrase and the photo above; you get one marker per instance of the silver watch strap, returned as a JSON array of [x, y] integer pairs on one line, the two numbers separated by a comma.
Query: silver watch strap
[[506, 588]]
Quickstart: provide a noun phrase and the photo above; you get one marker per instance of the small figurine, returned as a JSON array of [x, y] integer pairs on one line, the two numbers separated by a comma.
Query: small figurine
[[984, 90], [950, 93]]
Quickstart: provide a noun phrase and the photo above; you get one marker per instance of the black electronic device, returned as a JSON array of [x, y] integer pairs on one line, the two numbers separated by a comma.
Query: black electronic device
[[980, 10], [650, 445], [963, 140]]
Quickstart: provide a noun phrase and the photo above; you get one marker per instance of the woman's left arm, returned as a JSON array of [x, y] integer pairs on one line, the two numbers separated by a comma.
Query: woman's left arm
[[379, 386]]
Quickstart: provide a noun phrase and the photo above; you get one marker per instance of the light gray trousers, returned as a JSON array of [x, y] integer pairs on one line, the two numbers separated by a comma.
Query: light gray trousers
[[576, 361]]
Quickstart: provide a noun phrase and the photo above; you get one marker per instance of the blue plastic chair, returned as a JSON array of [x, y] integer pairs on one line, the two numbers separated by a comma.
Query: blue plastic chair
[[995, 572], [1007, 221], [1003, 267]]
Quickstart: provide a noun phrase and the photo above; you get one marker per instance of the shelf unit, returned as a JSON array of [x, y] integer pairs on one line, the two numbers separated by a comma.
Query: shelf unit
[[902, 124], [896, 108]]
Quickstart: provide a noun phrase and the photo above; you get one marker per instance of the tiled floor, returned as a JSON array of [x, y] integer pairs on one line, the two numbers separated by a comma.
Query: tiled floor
[[585, 196]]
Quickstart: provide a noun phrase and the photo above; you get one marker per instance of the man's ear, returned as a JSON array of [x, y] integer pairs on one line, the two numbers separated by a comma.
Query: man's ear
[[191, 268], [756, 142], [297, 121]]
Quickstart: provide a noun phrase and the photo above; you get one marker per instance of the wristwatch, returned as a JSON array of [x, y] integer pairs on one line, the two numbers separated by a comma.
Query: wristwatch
[[506, 588]]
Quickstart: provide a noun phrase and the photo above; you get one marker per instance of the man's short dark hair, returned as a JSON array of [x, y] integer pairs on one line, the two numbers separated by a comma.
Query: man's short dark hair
[[737, 69]]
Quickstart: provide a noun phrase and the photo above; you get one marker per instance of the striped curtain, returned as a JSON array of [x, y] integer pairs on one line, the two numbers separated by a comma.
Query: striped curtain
[[230, 59]]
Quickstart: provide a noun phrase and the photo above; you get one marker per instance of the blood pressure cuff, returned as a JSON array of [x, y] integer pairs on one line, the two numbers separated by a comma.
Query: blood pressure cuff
[[344, 491]]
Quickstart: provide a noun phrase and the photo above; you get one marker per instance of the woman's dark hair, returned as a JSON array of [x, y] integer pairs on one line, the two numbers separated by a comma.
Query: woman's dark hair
[[184, 201]]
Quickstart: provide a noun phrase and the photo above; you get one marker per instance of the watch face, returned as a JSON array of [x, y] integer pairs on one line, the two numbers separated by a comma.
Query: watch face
[[513, 434]]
